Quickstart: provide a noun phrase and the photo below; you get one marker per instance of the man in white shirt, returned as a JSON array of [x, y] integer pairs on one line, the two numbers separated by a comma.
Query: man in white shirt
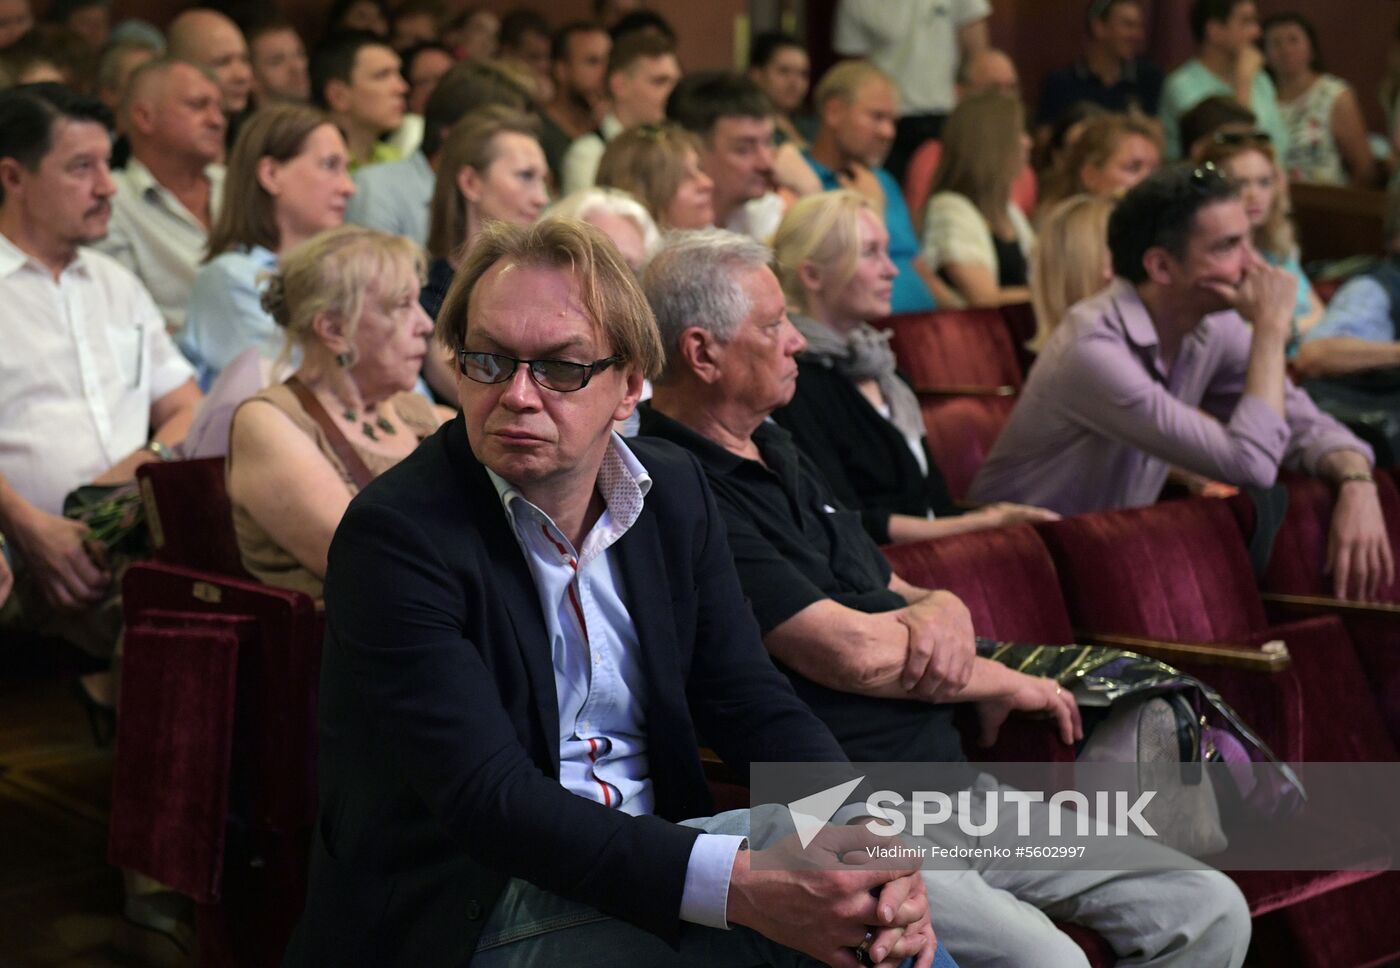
[[918, 43], [642, 71], [90, 384], [169, 193]]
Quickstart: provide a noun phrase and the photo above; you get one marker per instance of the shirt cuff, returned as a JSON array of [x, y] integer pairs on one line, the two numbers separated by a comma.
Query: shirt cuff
[[705, 898]]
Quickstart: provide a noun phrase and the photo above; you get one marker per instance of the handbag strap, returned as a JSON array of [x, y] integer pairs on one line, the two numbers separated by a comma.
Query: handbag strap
[[359, 472]]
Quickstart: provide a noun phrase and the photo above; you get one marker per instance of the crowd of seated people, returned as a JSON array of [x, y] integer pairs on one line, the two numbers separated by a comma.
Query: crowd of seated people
[[452, 246]]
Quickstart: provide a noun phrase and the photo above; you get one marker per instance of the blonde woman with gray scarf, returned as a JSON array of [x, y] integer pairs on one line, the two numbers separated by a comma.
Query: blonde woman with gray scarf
[[853, 414]]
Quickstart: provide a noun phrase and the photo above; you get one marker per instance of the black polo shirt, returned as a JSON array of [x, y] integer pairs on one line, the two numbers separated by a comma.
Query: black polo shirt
[[795, 545], [1139, 89]]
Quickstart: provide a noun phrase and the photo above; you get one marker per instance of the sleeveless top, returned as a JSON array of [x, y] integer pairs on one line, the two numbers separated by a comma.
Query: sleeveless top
[[264, 558], [1312, 154]]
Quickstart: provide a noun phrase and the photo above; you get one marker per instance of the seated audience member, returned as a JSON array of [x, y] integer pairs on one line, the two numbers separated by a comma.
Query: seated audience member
[[578, 64], [1110, 73], [1327, 141], [416, 22], [1164, 367], [91, 386], [855, 106], [114, 69], [348, 300], [33, 60], [659, 165], [988, 69], [500, 784], [213, 41], [424, 65], [525, 37], [973, 236], [779, 65], [1069, 261], [919, 48], [617, 215], [474, 34], [396, 196], [853, 415], [280, 70], [1200, 125], [1359, 330], [90, 20], [16, 20], [1228, 64], [640, 76], [286, 181], [492, 170], [355, 78], [168, 195], [1248, 160], [844, 628], [369, 16], [640, 20], [1111, 154]]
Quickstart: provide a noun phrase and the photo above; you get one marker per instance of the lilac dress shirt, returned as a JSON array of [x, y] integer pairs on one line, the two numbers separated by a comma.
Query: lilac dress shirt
[[1102, 419]]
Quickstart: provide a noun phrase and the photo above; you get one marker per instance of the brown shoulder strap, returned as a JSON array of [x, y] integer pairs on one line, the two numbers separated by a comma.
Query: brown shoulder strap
[[359, 473]]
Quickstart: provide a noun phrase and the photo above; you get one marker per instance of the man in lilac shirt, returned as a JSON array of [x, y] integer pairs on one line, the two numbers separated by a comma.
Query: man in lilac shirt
[[1180, 362]]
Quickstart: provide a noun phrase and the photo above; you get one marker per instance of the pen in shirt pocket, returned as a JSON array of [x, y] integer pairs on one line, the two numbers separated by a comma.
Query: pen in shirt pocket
[[140, 353]]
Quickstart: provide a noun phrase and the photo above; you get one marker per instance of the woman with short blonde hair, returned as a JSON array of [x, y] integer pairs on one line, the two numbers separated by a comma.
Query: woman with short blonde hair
[[972, 233], [852, 414], [1070, 260], [300, 450], [659, 165]]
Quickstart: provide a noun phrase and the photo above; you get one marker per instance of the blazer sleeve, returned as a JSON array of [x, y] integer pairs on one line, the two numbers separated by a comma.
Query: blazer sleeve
[[395, 633], [744, 707]]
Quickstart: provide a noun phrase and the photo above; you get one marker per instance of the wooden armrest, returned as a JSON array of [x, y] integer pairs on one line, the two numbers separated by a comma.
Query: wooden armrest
[[1326, 605], [718, 771], [1272, 657], [969, 390]]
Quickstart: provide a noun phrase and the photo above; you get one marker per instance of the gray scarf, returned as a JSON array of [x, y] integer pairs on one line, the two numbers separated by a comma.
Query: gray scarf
[[864, 354]]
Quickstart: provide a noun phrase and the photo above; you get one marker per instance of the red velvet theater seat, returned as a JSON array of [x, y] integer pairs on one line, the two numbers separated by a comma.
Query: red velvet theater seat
[[190, 518], [961, 432], [954, 349], [1180, 570]]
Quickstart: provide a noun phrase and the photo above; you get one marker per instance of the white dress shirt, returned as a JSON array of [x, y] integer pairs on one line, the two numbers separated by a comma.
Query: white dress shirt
[[581, 160], [84, 359], [156, 237], [600, 687], [913, 41]]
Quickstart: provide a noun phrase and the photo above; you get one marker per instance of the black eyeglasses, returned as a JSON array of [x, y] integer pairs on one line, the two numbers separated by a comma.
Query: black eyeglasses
[[561, 375], [1235, 138]]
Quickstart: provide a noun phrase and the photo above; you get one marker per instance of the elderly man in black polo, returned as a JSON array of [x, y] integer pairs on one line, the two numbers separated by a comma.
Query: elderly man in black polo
[[877, 658]]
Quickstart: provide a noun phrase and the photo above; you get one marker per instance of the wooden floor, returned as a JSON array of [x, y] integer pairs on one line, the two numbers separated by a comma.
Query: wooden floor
[[59, 900]]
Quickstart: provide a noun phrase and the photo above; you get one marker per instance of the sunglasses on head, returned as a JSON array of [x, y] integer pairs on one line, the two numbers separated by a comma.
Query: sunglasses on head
[[1233, 138]]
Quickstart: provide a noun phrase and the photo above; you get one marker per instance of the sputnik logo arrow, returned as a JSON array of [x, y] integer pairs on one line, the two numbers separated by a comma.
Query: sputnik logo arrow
[[810, 814]]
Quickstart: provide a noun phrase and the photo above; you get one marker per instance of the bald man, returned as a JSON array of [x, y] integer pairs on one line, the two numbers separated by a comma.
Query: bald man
[[209, 39], [988, 69], [168, 195]]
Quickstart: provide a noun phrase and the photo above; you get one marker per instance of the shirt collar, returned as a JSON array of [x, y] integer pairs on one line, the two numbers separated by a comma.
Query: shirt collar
[[622, 480], [1137, 321], [142, 181], [710, 454], [13, 258]]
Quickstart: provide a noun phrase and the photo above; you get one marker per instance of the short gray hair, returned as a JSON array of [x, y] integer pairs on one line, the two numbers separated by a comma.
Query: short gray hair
[[694, 281], [609, 201]]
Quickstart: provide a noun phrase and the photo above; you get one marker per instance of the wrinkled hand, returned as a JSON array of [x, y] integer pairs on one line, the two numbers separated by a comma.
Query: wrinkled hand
[[1359, 556], [942, 647], [892, 945], [1266, 296], [802, 900], [1032, 694], [54, 549], [791, 171], [1249, 63], [1004, 513]]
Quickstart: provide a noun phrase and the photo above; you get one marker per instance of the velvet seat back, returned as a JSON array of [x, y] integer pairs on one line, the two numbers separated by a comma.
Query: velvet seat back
[[954, 347], [189, 515], [960, 434], [1178, 571]]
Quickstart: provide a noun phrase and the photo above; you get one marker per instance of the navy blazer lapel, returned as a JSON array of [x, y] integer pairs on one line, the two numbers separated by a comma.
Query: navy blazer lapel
[[510, 580]]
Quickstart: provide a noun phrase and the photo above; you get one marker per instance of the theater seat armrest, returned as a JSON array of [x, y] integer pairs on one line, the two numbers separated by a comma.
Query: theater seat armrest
[[1327, 605], [1004, 390], [1273, 657]]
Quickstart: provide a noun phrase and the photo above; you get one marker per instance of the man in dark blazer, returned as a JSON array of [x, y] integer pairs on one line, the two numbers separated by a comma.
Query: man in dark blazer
[[482, 800]]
